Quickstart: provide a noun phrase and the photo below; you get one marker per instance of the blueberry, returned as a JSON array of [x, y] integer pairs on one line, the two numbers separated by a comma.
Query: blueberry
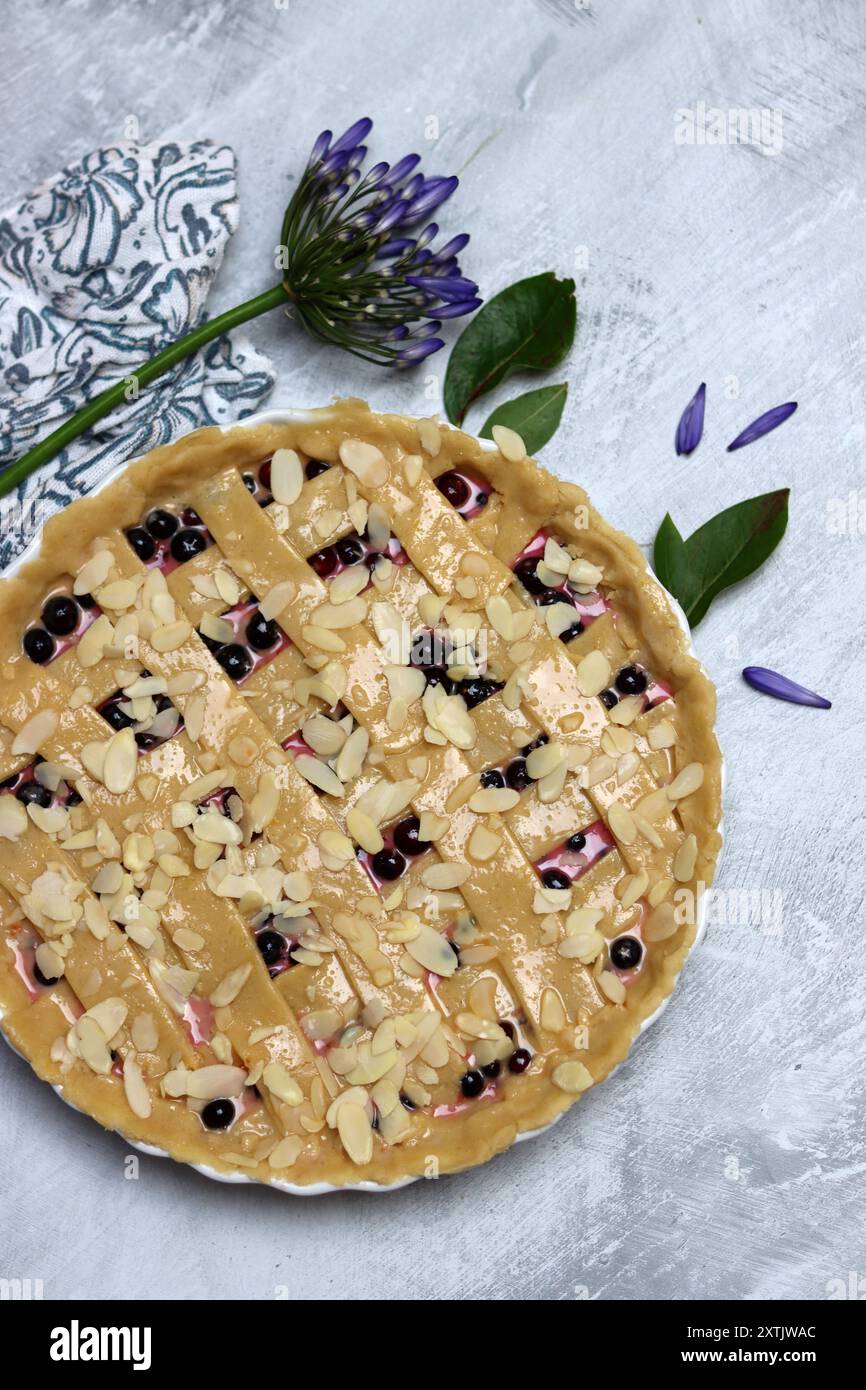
[[508, 1028], [608, 698], [116, 717], [552, 596], [249, 482], [492, 1069], [437, 675], [388, 864], [626, 952], [86, 601], [265, 474], [571, 632], [349, 550], [262, 632], [235, 660], [190, 517], [537, 742], [576, 842], [629, 681], [186, 544], [324, 562], [38, 645], [141, 542], [516, 775], [519, 1060], [44, 979], [453, 488], [406, 1103], [555, 878], [273, 946], [492, 778], [60, 615], [481, 499], [477, 689], [423, 649], [406, 837], [33, 793], [525, 572], [218, 1114], [472, 1084], [315, 467], [161, 524], [73, 798]]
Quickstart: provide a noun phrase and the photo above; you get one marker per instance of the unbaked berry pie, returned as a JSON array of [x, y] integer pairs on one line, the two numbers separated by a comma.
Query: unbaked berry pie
[[357, 782]]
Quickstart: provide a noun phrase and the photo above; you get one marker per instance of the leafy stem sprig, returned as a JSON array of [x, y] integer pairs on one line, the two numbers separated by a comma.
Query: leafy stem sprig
[[355, 273]]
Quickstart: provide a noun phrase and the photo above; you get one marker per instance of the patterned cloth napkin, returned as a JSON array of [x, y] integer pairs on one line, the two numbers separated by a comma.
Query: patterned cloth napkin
[[101, 267]]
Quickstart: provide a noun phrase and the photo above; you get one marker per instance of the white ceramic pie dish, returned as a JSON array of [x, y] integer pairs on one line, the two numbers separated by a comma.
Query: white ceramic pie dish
[[286, 415]]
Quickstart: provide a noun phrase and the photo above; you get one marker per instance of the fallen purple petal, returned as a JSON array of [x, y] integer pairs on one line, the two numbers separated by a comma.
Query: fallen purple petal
[[763, 425], [691, 425], [781, 688]]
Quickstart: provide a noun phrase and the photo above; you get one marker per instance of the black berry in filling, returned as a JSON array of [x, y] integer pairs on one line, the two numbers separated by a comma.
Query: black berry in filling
[[60, 615], [519, 1060], [116, 717], [315, 467], [186, 544], [516, 775], [555, 878], [629, 681], [576, 842], [349, 550], [507, 1027], [492, 1069], [235, 660], [262, 632], [571, 632], [388, 864], [218, 1114], [43, 979], [608, 698], [472, 1084], [141, 542], [38, 645], [324, 561], [453, 488], [85, 600], [249, 482], [437, 675], [406, 837], [190, 517], [478, 688], [161, 524], [33, 793], [273, 946], [525, 572], [626, 952], [536, 743], [492, 778]]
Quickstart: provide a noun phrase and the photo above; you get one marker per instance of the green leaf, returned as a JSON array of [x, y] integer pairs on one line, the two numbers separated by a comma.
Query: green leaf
[[527, 327], [727, 548], [535, 416]]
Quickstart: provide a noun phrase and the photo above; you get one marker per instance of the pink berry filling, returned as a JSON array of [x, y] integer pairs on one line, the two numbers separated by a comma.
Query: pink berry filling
[[467, 493], [587, 607]]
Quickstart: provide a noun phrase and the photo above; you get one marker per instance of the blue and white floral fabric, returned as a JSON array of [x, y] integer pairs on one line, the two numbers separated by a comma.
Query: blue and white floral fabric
[[101, 267]]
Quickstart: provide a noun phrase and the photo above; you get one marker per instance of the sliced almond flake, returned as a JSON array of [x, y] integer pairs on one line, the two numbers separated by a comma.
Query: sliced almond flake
[[336, 849], [493, 799], [558, 618], [460, 795], [483, 844], [366, 462], [216, 628], [49, 819], [188, 940], [38, 730], [50, 962], [413, 467], [118, 594], [364, 831], [230, 986], [627, 711], [593, 673], [627, 765], [473, 563], [430, 826], [687, 781], [297, 886], [584, 576], [282, 1084], [431, 950], [202, 787], [662, 735], [585, 947], [337, 616], [661, 922], [556, 557], [500, 616], [13, 818], [287, 476], [322, 638], [286, 1153], [598, 770], [348, 584], [430, 436], [430, 608], [357, 512], [622, 824], [631, 888], [319, 774], [183, 682], [121, 762], [392, 632], [216, 829], [685, 859], [612, 987], [550, 787], [327, 522], [145, 1035], [405, 683], [571, 1077], [439, 876], [659, 891], [92, 645], [93, 573], [545, 759], [355, 1131], [509, 443], [552, 1011], [277, 599], [211, 1083], [92, 1045], [169, 637], [135, 1087]]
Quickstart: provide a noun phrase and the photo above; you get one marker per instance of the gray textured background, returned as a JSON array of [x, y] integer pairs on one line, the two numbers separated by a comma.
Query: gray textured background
[[726, 1159]]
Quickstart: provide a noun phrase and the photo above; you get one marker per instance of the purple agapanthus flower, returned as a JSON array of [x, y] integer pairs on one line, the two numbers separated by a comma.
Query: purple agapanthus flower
[[782, 688], [691, 425], [770, 420], [355, 268]]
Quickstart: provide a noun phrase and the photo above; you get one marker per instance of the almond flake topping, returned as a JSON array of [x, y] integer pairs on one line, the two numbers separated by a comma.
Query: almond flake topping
[[431, 949], [282, 1084], [509, 443], [366, 462], [38, 729], [13, 818], [355, 1131], [571, 1077], [287, 476], [593, 673], [135, 1087], [230, 986], [688, 780]]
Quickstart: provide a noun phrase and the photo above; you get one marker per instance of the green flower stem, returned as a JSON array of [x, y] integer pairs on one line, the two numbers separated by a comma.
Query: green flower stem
[[106, 401]]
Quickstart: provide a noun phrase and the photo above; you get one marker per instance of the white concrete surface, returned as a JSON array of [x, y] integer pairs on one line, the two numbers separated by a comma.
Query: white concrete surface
[[726, 1159]]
